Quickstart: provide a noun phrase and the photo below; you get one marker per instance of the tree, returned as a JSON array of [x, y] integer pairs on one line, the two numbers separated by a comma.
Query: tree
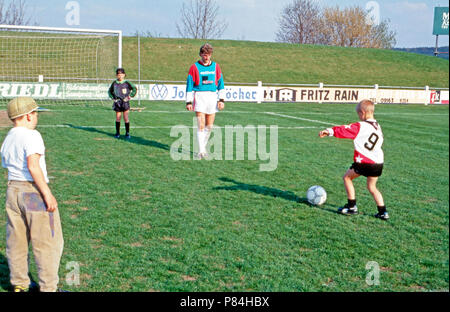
[[199, 20], [349, 28], [303, 21], [383, 35], [299, 22], [15, 13]]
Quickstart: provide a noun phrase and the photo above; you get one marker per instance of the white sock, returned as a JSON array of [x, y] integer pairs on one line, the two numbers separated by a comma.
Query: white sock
[[206, 133], [201, 140]]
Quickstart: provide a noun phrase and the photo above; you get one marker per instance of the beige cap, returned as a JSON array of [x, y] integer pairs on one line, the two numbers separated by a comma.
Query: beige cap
[[21, 106]]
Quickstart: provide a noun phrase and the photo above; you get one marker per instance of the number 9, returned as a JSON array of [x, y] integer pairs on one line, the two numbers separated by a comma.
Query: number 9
[[373, 139]]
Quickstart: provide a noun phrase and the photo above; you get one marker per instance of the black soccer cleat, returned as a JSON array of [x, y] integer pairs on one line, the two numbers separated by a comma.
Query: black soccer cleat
[[117, 135], [346, 210], [127, 136], [383, 216]]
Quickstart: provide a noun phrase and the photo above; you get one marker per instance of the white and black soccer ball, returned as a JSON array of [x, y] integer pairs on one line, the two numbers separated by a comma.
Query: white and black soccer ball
[[316, 195]]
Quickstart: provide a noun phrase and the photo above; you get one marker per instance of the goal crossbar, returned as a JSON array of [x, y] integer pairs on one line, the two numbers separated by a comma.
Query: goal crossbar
[[73, 30]]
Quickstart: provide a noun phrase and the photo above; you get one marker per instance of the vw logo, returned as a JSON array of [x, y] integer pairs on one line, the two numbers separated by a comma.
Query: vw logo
[[159, 92]]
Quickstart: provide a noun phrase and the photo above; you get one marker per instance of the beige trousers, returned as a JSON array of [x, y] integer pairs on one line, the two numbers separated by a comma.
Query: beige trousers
[[28, 221]]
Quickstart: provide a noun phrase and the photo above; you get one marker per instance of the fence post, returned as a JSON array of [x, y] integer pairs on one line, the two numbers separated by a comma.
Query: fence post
[[139, 68], [260, 92], [376, 93]]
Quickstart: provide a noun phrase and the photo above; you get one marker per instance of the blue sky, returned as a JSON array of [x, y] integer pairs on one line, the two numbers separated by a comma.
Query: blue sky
[[255, 20]]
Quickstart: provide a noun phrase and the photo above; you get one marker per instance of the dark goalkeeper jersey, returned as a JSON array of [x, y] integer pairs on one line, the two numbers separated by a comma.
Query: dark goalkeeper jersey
[[121, 90]]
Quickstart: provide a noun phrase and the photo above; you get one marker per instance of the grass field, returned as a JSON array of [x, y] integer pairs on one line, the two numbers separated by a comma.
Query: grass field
[[136, 220], [249, 62]]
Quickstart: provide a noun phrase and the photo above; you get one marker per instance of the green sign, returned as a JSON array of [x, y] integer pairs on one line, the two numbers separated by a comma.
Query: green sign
[[440, 25]]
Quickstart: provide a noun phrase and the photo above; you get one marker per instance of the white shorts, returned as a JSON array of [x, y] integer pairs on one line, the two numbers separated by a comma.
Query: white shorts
[[205, 102]]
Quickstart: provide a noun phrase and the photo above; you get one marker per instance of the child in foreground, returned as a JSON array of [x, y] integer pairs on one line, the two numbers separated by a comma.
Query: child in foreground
[[31, 208], [368, 156]]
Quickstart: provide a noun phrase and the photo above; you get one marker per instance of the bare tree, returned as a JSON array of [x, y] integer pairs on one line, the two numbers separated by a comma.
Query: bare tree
[[303, 21], [199, 20], [383, 35], [299, 22], [348, 28], [15, 13]]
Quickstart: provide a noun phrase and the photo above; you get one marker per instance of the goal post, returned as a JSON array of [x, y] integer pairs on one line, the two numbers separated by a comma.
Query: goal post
[[58, 64]]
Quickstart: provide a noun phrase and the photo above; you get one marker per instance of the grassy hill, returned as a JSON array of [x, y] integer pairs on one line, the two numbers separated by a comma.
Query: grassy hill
[[249, 62]]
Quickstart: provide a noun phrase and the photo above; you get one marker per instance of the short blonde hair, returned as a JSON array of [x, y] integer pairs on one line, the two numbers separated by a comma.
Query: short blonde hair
[[366, 106]]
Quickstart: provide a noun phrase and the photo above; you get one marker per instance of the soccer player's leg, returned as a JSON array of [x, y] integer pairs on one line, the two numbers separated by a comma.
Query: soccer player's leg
[[126, 119], [376, 194], [209, 123], [349, 208], [118, 117], [201, 121]]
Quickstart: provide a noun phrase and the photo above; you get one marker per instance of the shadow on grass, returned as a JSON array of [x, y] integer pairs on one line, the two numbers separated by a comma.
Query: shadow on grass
[[4, 273], [267, 191], [134, 139]]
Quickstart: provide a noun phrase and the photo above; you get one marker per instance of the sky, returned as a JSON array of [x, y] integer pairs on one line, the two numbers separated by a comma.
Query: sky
[[255, 20]]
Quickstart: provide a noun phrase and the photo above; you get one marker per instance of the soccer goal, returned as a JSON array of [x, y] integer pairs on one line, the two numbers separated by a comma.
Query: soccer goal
[[58, 64]]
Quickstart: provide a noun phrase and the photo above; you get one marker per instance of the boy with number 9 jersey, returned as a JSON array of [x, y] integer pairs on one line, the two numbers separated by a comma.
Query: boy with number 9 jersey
[[368, 156]]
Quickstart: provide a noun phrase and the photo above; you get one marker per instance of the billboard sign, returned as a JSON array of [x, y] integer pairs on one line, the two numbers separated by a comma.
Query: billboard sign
[[440, 25]]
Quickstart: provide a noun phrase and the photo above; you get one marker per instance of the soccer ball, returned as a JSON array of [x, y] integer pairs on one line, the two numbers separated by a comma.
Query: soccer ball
[[316, 195]]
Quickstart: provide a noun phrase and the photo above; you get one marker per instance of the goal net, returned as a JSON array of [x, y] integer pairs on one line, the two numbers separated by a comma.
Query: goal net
[[58, 64]]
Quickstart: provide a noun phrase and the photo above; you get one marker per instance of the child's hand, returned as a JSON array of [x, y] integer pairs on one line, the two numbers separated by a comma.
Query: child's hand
[[323, 133], [220, 105], [51, 202], [189, 107]]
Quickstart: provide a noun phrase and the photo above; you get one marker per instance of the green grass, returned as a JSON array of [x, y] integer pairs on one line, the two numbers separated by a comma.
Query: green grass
[[241, 61], [136, 220], [249, 62]]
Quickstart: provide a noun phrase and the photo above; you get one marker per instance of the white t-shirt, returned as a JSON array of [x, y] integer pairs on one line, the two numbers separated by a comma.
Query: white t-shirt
[[367, 138], [20, 143]]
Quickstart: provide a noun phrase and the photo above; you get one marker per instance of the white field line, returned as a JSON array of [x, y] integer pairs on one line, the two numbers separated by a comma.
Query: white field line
[[299, 118], [150, 127]]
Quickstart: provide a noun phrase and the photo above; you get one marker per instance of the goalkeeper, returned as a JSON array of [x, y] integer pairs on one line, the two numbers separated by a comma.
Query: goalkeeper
[[121, 91]]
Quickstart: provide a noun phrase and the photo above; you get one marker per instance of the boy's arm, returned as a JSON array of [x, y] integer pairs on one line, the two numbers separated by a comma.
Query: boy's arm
[[38, 177], [111, 92], [220, 84], [342, 132], [133, 89], [192, 80]]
